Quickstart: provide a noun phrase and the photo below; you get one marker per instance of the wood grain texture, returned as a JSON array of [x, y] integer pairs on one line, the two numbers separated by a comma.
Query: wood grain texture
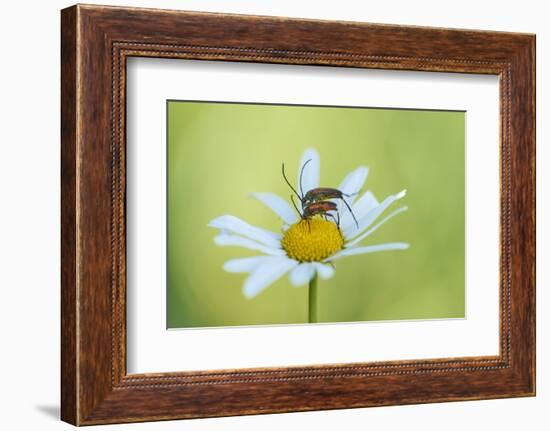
[[96, 41], [69, 331]]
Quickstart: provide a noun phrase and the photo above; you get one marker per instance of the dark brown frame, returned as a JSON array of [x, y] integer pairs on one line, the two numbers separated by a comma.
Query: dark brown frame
[[95, 43]]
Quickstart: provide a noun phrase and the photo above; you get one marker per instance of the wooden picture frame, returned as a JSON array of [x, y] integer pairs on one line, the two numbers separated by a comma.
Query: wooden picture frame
[[95, 43]]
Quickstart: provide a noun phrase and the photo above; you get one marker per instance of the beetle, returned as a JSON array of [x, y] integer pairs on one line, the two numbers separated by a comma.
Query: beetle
[[318, 208], [322, 208], [318, 195], [322, 194]]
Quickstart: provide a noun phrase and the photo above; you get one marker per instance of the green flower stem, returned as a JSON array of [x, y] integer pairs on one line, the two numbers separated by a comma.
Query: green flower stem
[[312, 300]]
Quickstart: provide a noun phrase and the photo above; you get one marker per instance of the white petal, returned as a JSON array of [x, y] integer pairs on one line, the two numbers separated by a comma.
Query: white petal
[[265, 274], [325, 271], [363, 205], [311, 173], [278, 205], [302, 274], [370, 249], [353, 183], [236, 225], [239, 241], [376, 226], [246, 264], [365, 221]]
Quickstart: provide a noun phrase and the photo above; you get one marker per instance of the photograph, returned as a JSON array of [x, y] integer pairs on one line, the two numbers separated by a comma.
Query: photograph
[[283, 209], [295, 214]]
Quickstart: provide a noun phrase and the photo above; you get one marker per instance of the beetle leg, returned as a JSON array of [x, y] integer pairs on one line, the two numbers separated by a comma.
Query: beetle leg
[[334, 219]]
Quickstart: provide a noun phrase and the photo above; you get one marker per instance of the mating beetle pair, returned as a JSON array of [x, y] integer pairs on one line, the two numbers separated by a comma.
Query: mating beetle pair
[[316, 201]]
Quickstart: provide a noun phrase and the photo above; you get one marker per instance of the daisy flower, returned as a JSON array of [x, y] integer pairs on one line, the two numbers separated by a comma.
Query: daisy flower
[[306, 248]]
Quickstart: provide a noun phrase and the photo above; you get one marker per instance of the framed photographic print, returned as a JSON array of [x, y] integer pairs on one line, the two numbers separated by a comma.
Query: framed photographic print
[[265, 215]]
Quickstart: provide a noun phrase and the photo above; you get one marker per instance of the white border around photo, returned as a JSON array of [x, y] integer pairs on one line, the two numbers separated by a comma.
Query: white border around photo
[[153, 348]]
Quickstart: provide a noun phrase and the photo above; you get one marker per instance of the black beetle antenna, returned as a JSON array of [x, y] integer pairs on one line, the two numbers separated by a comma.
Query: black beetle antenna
[[301, 175], [288, 182], [351, 212], [295, 206]]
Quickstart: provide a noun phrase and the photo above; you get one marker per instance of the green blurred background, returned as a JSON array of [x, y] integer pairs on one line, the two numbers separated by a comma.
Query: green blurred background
[[219, 153]]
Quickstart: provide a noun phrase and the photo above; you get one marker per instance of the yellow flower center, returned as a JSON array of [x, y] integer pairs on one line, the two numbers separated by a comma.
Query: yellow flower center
[[312, 240]]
